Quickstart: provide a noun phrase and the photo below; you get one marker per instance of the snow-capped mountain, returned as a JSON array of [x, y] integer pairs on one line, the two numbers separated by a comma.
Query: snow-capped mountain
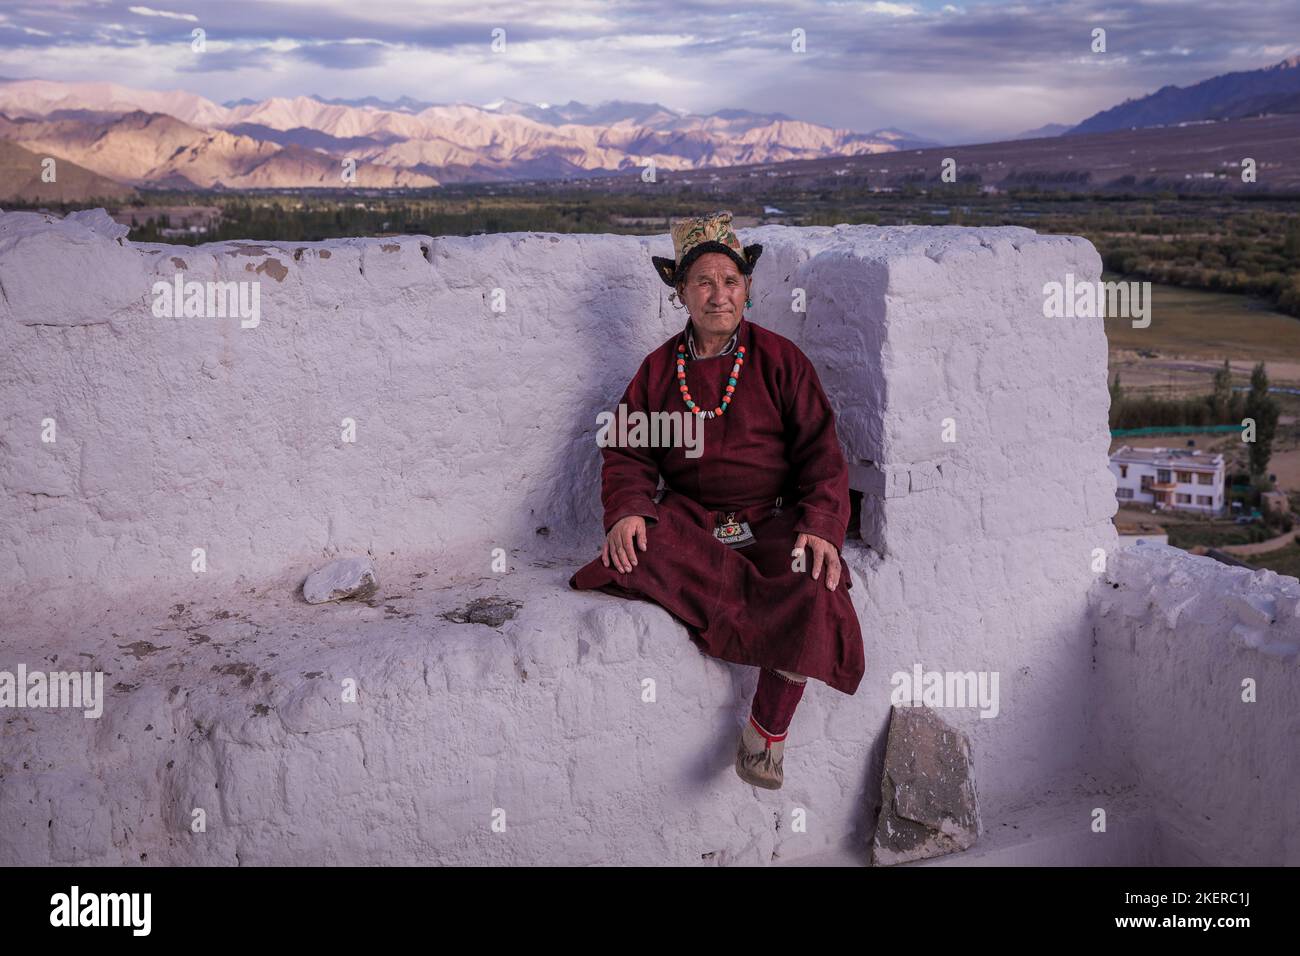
[[146, 136]]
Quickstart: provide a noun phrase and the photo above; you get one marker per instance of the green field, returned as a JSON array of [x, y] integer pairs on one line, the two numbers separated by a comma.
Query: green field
[[1283, 561], [1209, 325]]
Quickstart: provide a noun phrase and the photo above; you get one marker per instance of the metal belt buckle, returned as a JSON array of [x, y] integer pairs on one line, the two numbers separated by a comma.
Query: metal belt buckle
[[733, 533]]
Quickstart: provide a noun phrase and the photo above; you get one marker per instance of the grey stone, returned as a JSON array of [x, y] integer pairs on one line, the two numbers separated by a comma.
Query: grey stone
[[928, 804], [344, 578], [490, 611]]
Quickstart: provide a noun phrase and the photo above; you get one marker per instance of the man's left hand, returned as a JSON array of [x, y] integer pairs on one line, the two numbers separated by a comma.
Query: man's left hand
[[823, 553]]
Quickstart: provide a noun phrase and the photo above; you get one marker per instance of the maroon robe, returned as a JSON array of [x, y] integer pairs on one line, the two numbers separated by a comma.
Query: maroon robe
[[777, 440]]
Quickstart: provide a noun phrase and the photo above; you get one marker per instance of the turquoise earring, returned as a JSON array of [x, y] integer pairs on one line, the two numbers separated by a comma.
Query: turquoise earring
[[749, 303]]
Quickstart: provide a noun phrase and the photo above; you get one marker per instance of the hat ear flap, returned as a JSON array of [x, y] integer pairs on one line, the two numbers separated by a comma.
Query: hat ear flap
[[752, 252], [666, 268]]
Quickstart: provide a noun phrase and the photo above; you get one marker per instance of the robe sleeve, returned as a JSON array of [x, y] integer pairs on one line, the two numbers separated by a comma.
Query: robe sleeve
[[630, 476], [818, 468]]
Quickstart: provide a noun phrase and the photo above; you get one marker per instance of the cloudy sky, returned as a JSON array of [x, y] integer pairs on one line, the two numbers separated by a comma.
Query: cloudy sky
[[956, 72]]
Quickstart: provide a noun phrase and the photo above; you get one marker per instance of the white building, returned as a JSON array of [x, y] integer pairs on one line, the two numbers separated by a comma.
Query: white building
[[1181, 479], [1140, 532]]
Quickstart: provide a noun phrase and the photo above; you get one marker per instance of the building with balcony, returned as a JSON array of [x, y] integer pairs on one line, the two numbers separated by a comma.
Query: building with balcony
[[1178, 479]]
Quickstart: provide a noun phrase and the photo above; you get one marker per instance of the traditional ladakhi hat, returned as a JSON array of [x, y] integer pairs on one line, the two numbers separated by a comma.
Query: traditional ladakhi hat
[[696, 235]]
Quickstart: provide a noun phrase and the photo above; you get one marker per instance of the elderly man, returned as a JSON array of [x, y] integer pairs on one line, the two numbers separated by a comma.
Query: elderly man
[[726, 548]]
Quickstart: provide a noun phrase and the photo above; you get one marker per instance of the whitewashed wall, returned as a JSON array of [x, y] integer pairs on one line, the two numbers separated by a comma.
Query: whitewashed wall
[[475, 429], [1198, 672]]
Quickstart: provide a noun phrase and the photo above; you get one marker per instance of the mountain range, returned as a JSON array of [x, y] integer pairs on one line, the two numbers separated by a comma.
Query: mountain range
[[21, 178], [106, 134], [178, 139], [1274, 89]]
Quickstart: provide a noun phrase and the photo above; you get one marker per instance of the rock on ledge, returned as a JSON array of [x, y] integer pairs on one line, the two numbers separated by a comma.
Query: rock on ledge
[[341, 579], [928, 804]]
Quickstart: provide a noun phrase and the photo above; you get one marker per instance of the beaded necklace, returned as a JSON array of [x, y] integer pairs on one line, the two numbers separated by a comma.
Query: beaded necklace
[[731, 383]]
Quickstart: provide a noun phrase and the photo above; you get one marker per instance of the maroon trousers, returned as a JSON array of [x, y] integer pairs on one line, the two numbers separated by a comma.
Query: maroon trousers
[[773, 707], [744, 605]]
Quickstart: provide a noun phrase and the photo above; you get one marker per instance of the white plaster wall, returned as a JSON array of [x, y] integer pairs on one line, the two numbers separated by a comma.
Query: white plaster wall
[[472, 426], [989, 539], [475, 429], [1178, 638]]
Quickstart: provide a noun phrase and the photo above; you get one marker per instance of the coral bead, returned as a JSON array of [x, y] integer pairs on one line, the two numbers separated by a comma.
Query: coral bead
[[729, 389]]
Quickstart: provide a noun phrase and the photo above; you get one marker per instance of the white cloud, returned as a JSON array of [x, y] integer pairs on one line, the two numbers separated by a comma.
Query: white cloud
[[929, 63], [892, 9], [151, 12], [878, 6], [645, 41]]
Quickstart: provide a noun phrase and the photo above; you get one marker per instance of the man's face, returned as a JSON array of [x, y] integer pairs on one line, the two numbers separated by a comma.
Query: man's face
[[714, 292]]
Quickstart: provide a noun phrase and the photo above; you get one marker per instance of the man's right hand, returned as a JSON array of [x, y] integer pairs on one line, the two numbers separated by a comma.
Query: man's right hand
[[618, 545]]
